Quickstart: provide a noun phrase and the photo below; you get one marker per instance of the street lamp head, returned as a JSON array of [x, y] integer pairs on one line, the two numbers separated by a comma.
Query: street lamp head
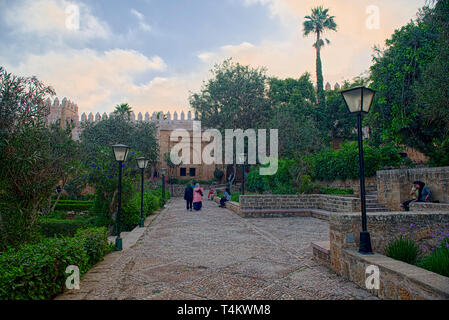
[[358, 99], [164, 171], [142, 162], [120, 152]]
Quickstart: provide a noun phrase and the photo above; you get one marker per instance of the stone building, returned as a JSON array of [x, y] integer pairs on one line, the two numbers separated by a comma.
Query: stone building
[[67, 112]]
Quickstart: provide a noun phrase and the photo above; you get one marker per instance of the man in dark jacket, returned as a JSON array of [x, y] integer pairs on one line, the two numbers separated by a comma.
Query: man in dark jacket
[[188, 196]]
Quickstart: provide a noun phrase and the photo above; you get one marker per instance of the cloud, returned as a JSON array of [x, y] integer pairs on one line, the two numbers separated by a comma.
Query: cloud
[[95, 81], [142, 24], [61, 19], [349, 53]]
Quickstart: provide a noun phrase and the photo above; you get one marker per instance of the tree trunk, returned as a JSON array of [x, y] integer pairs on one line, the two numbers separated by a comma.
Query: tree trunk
[[319, 72]]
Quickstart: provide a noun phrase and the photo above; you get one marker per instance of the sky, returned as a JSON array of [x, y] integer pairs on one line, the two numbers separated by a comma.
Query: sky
[[153, 54]]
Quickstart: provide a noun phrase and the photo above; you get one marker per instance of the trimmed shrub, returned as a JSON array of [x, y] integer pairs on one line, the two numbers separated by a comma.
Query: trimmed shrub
[[51, 227], [37, 271], [337, 191], [73, 205], [95, 242], [403, 249]]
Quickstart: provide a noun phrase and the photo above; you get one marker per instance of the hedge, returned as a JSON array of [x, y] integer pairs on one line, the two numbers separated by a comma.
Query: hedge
[[51, 227], [37, 271], [73, 205]]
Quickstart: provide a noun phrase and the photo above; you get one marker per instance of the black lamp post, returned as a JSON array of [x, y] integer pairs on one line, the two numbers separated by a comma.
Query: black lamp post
[[242, 161], [142, 163], [120, 154], [163, 172], [358, 100]]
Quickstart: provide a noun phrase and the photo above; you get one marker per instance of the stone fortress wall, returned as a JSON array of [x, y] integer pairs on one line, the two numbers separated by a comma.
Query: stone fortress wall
[[67, 112]]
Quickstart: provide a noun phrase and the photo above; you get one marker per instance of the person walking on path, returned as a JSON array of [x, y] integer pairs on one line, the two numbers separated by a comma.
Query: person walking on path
[[188, 196], [198, 197], [226, 197]]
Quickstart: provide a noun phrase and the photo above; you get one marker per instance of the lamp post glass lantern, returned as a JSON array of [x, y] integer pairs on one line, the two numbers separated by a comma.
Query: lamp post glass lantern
[[120, 153], [142, 163], [359, 100]]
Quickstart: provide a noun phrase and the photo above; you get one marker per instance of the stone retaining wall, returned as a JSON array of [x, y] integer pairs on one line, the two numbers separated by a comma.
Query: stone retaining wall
[[309, 201], [344, 230], [397, 280], [393, 186]]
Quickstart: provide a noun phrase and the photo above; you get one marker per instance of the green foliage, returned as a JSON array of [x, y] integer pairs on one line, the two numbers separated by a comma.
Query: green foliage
[[294, 115], [254, 181], [37, 271], [152, 201], [95, 241], [439, 157], [343, 164], [73, 205], [437, 262], [52, 227], [412, 80], [403, 249], [336, 191], [234, 97]]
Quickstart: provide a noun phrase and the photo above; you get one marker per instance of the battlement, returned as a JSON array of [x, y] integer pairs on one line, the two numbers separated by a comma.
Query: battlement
[[159, 117]]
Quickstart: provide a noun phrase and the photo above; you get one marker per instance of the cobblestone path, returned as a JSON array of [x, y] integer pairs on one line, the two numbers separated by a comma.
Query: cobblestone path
[[215, 254]]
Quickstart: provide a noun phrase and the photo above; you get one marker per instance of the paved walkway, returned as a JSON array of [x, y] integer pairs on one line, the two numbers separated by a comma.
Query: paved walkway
[[215, 254]]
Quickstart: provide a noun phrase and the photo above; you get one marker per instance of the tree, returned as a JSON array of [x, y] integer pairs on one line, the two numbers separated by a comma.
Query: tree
[[294, 115], [34, 156], [319, 22], [234, 98], [411, 78], [123, 110]]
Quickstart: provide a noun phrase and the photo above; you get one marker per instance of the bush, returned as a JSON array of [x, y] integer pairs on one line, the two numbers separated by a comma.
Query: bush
[[51, 227], [437, 262], [336, 191], [37, 271], [74, 205], [95, 242], [254, 181], [403, 249], [152, 201], [343, 164]]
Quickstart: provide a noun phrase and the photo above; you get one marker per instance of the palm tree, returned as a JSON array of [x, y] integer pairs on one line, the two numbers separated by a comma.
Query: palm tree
[[318, 22], [123, 110]]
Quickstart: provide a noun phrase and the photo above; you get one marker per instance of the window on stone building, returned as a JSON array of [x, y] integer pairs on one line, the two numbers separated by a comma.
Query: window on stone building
[[192, 172], [183, 172]]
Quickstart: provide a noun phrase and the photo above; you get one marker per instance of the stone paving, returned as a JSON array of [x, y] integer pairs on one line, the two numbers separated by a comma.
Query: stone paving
[[216, 254]]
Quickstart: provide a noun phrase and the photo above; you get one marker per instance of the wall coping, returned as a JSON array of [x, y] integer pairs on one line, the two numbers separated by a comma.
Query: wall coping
[[387, 214], [412, 171], [429, 206], [424, 278]]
